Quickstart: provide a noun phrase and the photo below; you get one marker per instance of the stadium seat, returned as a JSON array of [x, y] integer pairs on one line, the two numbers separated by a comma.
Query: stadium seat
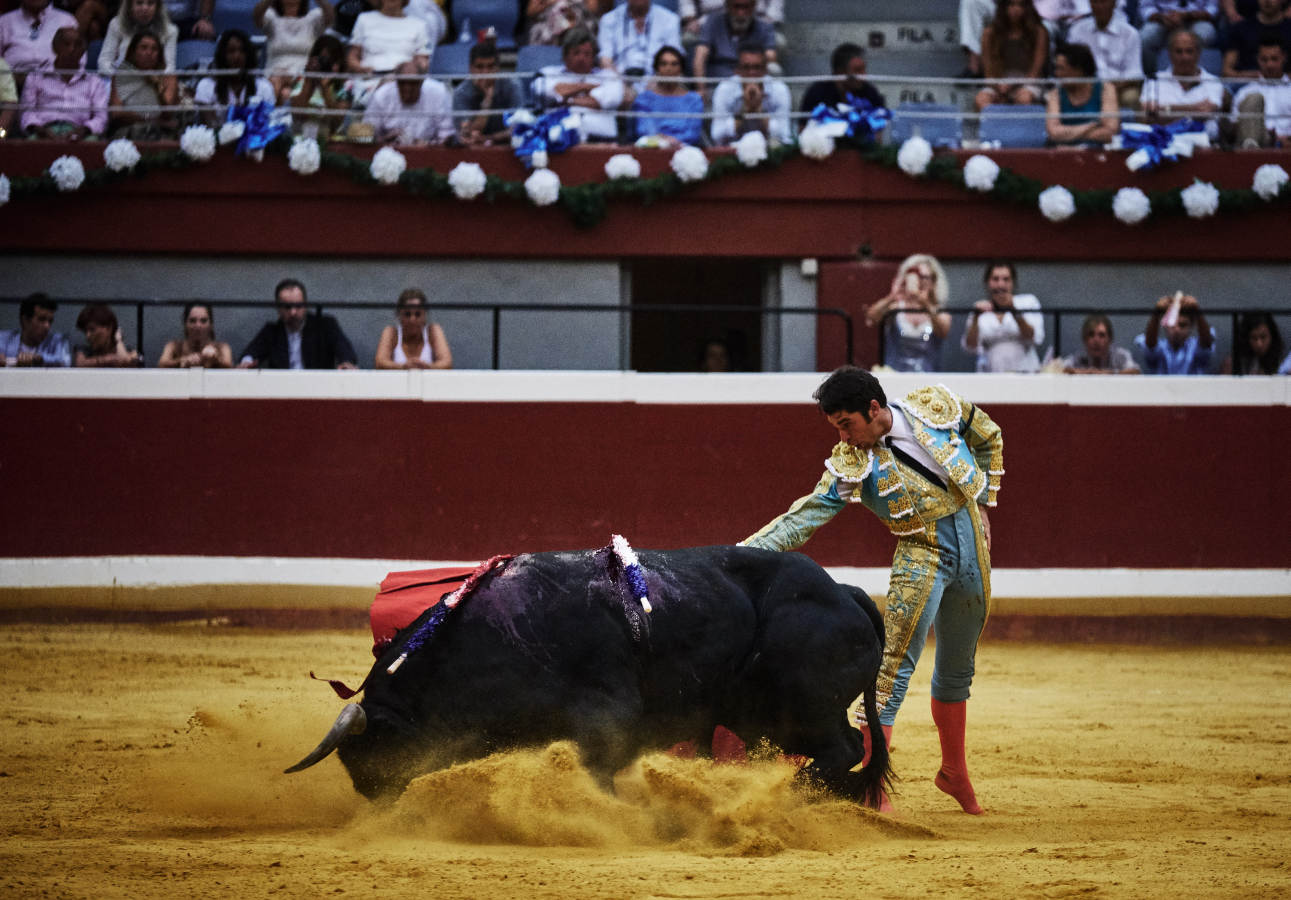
[[532, 57], [1013, 126], [451, 59], [502, 15], [92, 55], [937, 123], [194, 54]]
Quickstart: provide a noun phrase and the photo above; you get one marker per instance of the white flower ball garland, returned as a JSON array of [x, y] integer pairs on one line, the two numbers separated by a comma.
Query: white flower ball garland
[[467, 180], [1268, 181], [1200, 199], [980, 173], [1131, 205], [751, 149], [121, 155], [690, 164], [1057, 203], [68, 173], [914, 156], [815, 142], [543, 187], [622, 165], [197, 142], [231, 132], [388, 164], [304, 157]]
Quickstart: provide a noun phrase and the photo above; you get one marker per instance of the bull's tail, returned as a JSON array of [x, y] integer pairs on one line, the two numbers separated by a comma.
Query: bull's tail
[[875, 779]]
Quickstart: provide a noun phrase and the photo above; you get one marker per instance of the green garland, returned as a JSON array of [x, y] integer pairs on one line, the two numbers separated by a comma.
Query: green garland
[[587, 204]]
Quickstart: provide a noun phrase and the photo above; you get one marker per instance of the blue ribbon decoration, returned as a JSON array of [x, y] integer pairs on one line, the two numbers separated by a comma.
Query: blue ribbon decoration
[[552, 132], [262, 126], [1156, 140], [857, 118]]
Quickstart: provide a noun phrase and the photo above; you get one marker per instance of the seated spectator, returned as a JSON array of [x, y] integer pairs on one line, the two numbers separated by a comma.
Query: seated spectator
[[578, 84], [91, 17], [385, 37], [34, 342], [27, 35], [8, 99], [1247, 36], [751, 100], [320, 97], [670, 111], [1080, 114], [1117, 50], [193, 18], [631, 35], [1185, 90], [847, 63], [1263, 108], [103, 344], [137, 16], [69, 106], [216, 93], [139, 88], [415, 342], [693, 13], [721, 37], [912, 315], [1014, 45], [1258, 347], [550, 19], [198, 348], [1162, 18], [1005, 330], [431, 14], [410, 110], [1101, 356], [298, 340], [716, 356], [490, 98], [291, 27], [1189, 338]]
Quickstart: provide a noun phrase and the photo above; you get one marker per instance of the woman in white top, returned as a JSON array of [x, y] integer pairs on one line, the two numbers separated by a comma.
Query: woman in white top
[[416, 342], [1005, 330], [291, 27], [218, 92], [384, 38], [136, 16]]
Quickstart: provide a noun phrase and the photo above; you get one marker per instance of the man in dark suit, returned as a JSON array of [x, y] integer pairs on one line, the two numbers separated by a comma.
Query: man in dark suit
[[298, 340]]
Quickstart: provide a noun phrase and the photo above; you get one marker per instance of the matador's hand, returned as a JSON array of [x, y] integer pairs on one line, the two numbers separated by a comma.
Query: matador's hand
[[986, 526]]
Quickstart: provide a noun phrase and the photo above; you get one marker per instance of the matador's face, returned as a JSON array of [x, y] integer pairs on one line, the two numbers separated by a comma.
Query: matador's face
[[862, 430]]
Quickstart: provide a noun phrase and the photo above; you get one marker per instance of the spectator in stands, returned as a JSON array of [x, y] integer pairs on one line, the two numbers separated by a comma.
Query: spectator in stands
[[1162, 18], [631, 35], [1263, 108], [693, 13], [670, 110], [1189, 338], [34, 342], [8, 99], [103, 346], [721, 37], [216, 93], [415, 342], [137, 16], [65, 107], [716, 356], [578, 84], [1117, 50], [298, 340], [1247, 36], [912, 315], [193, 18], [91, 17], [27, 35], [1014, 45], [974, 16], [550, 19], [198, 348], [1005, 330], [1258, 348], [1082, 113], [751, 100], [385, 37], [138, 88], [847, 63], [431, 14], [321, 96], [489, 97], [1185, 90], [1100, 356], [291, 28], [411, 110]]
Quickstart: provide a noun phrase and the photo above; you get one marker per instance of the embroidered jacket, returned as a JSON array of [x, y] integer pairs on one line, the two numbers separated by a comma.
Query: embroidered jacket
[[958, 435]]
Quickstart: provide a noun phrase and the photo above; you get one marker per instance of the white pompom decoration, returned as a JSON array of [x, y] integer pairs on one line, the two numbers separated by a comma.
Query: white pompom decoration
[[751, 149], [388, 164], [304, 157], [914, 156], [690, 164], [815, 142], [622, 165], [121, 155], [980, 173], [1131, 205], [543, 187], [197, 142], [467, 180], [1200, 199], [1057, 203], [1268, 181], [68, 173], [539, 159], [231, 132]]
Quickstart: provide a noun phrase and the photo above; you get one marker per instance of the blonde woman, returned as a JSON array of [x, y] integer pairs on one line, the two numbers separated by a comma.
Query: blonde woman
[[416, 342], [913, 315]]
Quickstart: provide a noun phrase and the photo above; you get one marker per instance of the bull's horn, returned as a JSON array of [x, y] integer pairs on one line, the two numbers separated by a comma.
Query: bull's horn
[[352, 720]]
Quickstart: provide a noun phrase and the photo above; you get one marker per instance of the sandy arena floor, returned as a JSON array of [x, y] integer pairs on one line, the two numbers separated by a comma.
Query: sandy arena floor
[[144, 761]]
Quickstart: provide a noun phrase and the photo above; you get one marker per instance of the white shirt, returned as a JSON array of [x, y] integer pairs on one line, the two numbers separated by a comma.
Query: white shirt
[[629, 48], [728, 102], [608, 93], [1165, 89], [1277, 103], [429, 120], [901, 437], [1000, 345], [291, 38], [973, 16], [1117, 49], [388, 41], [205, 93]]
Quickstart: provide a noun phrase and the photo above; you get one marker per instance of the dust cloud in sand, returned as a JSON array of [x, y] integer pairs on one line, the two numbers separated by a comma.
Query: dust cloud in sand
[[146, 761]]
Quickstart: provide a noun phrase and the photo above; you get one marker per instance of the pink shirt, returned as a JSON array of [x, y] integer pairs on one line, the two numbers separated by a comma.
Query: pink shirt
[[24, 52], [46, 98]]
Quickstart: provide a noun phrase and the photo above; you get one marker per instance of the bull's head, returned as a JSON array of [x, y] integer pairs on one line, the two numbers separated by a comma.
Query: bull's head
[[352, 720], [373, 749]]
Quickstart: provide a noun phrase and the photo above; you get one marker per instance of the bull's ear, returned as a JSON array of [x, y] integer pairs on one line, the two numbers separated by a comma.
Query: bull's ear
[[352, 720]]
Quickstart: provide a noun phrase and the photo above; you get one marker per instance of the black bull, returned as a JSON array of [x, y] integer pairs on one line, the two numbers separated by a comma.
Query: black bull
[[554, 647]]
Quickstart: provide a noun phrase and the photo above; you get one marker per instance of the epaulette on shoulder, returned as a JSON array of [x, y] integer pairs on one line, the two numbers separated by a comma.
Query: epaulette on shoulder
[[935, 406], [848, 463]]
